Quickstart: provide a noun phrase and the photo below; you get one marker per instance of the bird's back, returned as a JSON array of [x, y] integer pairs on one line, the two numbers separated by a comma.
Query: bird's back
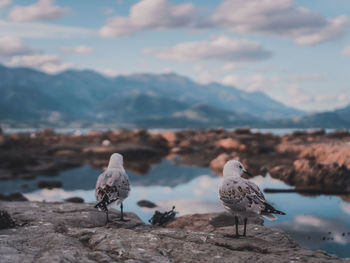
[[240, 196], [113, 183]]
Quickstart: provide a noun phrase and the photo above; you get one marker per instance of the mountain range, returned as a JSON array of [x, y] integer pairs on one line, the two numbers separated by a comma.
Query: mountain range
[[82, 98]]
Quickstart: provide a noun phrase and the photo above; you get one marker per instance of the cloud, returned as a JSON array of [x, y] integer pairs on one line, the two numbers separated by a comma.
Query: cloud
[[43, 10], [12, 46], [109, 72], [220, 48], [279, 18], [345, 207], [149, 14], [345, 52], [77, 50], [249, 83], [5, 3], [42, 30], [317, 229], [48, 63], [268, 17]]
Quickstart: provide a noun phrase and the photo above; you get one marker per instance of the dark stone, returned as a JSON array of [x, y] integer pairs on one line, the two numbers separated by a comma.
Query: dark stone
[[49, 184], [13, 197], [75, 199], [146, 203], [6, 220]]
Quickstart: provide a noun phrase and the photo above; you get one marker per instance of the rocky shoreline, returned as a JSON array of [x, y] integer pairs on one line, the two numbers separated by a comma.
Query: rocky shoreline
[[308, 160], [67, 232]]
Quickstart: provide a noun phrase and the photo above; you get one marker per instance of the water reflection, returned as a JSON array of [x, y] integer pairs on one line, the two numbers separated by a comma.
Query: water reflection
[[309, 219]]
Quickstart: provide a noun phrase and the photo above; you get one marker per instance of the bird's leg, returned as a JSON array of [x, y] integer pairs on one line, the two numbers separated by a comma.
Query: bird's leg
[[107, 220], [245, 226], [122, 213], [236, 235], [236, 223]]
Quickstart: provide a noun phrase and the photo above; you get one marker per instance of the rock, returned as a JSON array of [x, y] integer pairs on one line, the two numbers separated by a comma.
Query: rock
[[146, 203], [207, 222], [243, 130], [49, 184], [13, 197], [77, 200], [228, 143], [6, 220], [170, 137], [65, 153], [66, 232], [99, 150]]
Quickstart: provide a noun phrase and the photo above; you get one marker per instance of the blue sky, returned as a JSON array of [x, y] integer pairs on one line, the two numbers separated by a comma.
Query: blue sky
[[297, 52]]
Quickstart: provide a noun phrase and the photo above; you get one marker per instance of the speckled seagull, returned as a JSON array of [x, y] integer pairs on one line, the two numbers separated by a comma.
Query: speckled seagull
[[112, 186], [243, 198]]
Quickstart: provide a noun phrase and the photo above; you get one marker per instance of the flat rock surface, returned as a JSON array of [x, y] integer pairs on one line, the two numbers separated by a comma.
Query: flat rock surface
[[69, 232]]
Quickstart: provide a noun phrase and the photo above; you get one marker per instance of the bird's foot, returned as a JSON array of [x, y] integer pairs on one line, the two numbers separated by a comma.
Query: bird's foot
[[124, 220]]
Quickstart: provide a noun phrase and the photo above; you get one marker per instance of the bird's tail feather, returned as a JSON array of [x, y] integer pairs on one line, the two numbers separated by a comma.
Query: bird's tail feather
[[103, 205], [269, 209]]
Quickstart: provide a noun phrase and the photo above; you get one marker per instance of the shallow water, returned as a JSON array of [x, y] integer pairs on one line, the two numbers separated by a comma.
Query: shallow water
[[275, 131], [316, 222]]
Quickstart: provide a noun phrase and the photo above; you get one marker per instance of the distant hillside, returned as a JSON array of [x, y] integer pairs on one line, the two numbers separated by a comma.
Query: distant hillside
[[331, 119], [33, 97]]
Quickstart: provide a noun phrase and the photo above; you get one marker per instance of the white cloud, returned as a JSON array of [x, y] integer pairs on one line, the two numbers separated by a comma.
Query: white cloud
[[345, 52], [219, 48], [279, 18], [269, 17], [12, 46], [77, 50], [249, 83], [43, 10], [230, 67], [345, 207], [5, 3], [48, 63], [149, 14], [109, 72], [42, 30]]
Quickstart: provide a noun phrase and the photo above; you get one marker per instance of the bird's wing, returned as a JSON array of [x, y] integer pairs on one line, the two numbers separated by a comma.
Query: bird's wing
[[114, 183], [238, 195]]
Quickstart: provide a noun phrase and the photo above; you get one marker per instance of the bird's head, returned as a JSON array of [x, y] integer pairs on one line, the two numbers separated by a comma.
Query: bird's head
[[234, 168], [115, 161]]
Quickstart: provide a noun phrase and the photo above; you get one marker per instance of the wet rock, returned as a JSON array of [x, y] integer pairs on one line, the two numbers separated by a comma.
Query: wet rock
[[66, 232], [76, 199], [6, 220], [146, 203], [170, 137], [65, 153], [243, 130], [13, 197], [49, 184], [228, 143]]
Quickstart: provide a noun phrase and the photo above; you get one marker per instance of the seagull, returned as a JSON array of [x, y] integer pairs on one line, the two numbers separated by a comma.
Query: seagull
[[112, 186], [243, 198]]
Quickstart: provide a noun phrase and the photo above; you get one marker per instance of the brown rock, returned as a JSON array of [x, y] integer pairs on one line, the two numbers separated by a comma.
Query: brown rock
[[228, 143], [65, 153], [170, 136]]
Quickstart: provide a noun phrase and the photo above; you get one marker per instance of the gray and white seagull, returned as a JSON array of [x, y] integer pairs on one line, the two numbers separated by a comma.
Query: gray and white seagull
[[243, 198], [112, 186]]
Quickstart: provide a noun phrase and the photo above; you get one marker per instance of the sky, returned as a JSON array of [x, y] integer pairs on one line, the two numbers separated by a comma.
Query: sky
[[297, 52]]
